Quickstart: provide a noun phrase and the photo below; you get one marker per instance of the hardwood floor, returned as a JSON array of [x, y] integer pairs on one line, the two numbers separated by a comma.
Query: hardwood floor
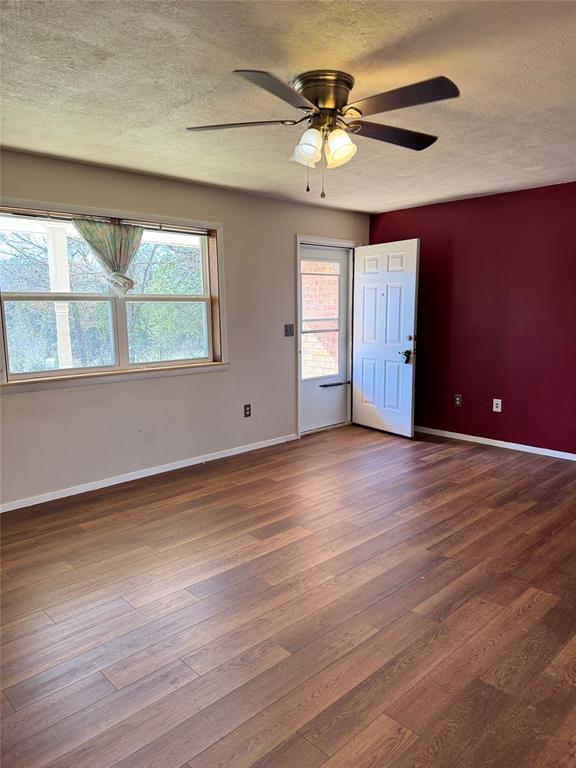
[[351, 600]]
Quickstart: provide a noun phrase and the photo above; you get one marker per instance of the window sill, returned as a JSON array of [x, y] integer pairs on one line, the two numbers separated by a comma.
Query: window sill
[[83, 379]]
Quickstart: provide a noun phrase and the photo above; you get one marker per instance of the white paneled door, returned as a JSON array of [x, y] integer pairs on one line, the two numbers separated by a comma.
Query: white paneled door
[[384, 345]]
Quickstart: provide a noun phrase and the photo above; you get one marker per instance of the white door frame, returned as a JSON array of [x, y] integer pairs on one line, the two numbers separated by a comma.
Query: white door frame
[[334, 243]]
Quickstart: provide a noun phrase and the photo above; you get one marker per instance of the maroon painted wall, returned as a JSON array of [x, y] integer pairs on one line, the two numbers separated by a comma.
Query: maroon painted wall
[[496, 313]]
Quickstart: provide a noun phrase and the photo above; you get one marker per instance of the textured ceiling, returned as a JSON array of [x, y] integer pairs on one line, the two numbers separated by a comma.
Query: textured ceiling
[[117, 81]]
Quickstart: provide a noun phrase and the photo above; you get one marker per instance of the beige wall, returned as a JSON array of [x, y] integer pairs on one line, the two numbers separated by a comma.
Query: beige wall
[[53, 439]]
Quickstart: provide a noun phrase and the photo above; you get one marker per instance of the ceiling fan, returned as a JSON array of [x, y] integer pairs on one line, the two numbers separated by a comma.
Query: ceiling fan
[[323, 95]]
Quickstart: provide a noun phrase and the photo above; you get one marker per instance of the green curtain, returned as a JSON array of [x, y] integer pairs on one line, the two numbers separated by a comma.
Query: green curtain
[[114, 245]]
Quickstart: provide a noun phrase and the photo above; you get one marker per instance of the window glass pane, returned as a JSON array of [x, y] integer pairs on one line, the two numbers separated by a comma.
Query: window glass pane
[[87, 275], [321, 267], [23, 257], [320, 354], [168, 262], [43, 256], [56, 335], [320, 294], [159, 331]]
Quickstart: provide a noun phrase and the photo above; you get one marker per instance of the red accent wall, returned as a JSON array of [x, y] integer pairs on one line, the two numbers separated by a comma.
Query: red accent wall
[[496, 313]]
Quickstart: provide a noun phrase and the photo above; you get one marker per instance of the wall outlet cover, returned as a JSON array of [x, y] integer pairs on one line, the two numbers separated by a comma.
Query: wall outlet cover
[[497, 405]]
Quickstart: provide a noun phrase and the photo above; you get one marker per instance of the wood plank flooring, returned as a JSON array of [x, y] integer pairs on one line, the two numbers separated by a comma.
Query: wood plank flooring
[[350, 600]]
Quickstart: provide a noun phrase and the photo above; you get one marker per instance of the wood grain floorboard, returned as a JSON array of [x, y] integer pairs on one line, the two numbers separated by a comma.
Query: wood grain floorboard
[[350, 600]]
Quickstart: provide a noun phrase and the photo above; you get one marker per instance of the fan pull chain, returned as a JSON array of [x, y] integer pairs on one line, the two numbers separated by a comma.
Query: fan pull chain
[[323, 163], [307, 178]]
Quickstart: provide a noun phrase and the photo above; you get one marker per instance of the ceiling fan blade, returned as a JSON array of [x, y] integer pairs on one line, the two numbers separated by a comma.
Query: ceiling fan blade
[[276, 87], [400, 136], [241, 125], [436, 89]]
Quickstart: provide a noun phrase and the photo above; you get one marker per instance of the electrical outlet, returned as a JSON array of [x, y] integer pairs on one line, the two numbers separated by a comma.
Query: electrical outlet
[[247, 410], [458, 401], [288, 330], [497, 405]]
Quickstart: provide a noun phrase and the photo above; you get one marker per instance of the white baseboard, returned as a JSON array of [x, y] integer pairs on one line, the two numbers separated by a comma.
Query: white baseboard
[[139, 473], [498, 443], [136, 475]]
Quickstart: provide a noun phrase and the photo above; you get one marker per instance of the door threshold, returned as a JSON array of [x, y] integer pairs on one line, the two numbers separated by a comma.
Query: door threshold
[[325, 429]]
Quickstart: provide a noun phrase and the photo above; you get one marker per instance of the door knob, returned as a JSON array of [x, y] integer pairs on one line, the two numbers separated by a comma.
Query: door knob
[[407, 355]]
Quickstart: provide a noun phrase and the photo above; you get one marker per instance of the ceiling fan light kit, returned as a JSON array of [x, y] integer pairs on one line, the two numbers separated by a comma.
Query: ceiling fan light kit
[[338, 148], [323, 95]]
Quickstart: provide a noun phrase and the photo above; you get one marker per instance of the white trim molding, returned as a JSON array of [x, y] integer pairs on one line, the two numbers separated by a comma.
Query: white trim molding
[[498, 443], [139, 473]]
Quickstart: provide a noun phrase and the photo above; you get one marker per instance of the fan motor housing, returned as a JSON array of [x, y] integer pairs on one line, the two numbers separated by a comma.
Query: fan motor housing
[[325, 88]]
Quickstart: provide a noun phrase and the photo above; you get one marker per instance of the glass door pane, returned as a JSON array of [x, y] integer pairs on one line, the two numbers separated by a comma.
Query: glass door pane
[[320, 282]]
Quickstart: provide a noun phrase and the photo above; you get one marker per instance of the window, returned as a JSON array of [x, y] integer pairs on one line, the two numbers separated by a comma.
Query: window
[[60, 316]]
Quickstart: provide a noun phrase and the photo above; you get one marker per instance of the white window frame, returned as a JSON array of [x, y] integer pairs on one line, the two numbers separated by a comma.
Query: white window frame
[[122, 363]]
